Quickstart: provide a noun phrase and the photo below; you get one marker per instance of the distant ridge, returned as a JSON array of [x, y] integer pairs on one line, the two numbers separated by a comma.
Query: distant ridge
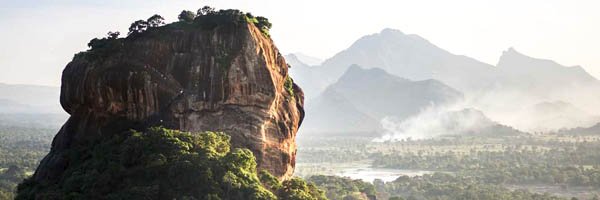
[[514, 83], [21, 98], [362, 97]]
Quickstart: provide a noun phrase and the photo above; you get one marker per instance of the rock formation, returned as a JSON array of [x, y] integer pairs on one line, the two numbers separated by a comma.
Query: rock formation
[[225, 77]]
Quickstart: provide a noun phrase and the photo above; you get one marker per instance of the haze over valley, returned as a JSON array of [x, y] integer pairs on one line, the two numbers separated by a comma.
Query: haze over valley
[[529, 94]]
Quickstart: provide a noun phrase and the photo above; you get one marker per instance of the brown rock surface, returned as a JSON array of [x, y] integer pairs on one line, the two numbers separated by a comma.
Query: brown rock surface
[[229, 78]]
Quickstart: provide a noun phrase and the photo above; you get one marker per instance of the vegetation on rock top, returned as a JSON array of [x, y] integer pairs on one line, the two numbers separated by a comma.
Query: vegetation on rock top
[[205, 18]]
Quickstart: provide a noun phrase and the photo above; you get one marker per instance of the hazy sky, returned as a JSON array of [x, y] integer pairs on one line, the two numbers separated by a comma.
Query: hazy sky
[[39, 37]]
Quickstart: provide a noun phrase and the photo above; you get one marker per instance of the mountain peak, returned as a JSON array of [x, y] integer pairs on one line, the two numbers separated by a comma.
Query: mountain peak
[[390, 31], [306, 59], [522, 67], [511, 58], [355, 72], [291, 56], [512, 54], [511, 50]]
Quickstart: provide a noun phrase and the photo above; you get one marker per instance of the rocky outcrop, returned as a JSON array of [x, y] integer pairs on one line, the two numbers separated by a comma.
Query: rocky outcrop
[[228, 78]]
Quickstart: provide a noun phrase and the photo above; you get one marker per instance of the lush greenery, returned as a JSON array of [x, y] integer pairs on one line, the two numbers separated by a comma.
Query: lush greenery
[[344, 188], [436, 186], [21, 149], [570, 164], [289, 85], [446, 186], [163, 164], [508, 167]]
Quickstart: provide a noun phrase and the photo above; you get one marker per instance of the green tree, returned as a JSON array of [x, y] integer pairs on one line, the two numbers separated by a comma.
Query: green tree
[[206, 10], [155, 21], [264, 23], [298, 189], [186, 16], [138, 26], [113, 35]]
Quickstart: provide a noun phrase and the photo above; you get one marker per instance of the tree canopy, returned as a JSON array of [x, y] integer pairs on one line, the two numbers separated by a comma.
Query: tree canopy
[[206, 10], [156, 21], [164, 164], [138, 26], [186, 16]]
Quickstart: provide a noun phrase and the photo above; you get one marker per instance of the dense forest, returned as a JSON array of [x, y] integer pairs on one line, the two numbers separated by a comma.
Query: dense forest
[[576, 165], [21, 149], [459, 167], [167, 164], [435, 186]]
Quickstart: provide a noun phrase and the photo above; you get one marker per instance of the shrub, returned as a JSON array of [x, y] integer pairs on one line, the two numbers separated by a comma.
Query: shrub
[[289, 85]]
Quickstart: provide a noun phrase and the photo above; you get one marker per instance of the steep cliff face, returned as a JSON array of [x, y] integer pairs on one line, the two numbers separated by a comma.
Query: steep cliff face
[[228, 78]]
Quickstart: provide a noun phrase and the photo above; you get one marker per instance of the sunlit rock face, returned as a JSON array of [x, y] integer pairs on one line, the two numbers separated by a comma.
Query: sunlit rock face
[[228, 78]]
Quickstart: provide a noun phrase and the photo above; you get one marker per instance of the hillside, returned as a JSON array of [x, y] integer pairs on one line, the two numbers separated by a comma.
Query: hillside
[[517, 78], [544, 80], [369, 95], [592, 130], [411, 57]]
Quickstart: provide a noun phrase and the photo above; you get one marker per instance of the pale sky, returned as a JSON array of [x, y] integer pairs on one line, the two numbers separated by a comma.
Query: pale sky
[[39, 37]]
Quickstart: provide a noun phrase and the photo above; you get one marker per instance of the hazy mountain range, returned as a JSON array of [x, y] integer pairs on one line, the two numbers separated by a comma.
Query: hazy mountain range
[[305, 59], [414, 58], [584, 131], [29, 99], [505, 92], [361, 98], [31, 106], [371, 101]]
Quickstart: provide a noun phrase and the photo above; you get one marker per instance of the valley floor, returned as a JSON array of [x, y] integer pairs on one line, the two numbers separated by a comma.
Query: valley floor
[[556, 165]]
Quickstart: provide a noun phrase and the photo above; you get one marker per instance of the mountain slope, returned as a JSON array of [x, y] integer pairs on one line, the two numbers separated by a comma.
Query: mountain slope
[[592, 130], [305, 75], [546, 80], [380, 94], [415, 58], [499, 91], [369, 95], [309, 60], [333, 114], [411, 57], [545, 72]]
